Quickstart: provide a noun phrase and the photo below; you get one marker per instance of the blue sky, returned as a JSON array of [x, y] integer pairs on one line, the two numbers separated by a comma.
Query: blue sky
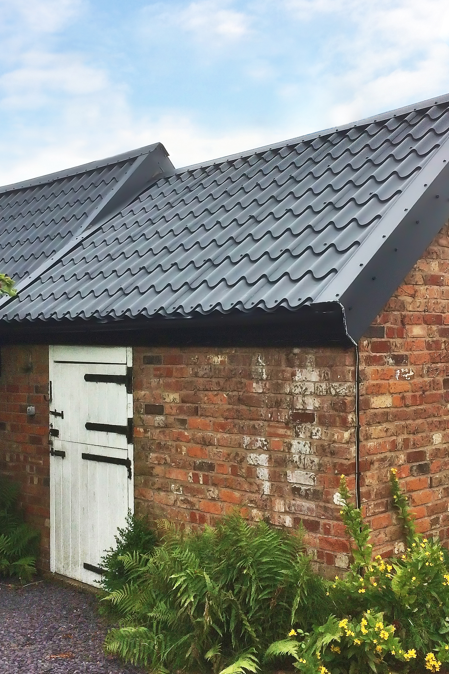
[[85, 79]]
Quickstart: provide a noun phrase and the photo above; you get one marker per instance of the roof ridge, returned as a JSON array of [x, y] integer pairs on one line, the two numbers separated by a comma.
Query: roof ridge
[[81, 168], [429, 102]]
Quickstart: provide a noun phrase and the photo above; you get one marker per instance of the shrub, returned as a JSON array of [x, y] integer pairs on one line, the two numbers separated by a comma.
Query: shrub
[[217, 599], [136, 537], [214, 599], [18, 541], [384, 615]]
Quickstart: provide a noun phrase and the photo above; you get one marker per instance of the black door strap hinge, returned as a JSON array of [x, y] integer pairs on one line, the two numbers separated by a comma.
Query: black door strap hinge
[[93, 568], [109, 459], [113, 428], [121, 379], [57, 452], [54, 432]]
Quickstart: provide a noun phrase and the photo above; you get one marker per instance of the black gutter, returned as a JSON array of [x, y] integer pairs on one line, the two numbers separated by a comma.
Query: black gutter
[[315, 325]]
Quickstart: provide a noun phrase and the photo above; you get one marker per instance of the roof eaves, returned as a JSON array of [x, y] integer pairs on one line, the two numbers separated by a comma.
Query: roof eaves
[[83, 168], [398, 112], [378, 267]]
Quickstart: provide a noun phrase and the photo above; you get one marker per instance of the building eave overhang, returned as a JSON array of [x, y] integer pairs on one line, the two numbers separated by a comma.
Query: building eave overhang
[[311, 326]]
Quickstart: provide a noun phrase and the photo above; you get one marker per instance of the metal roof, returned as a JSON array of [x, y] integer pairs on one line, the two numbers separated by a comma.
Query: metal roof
[[339, 216], [39, 216]]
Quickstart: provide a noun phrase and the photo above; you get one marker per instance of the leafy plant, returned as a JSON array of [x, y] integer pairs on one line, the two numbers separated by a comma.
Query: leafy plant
[[18, 541], [7, 286], [213, 599], [237, 598], [385, 615], [137, 537]]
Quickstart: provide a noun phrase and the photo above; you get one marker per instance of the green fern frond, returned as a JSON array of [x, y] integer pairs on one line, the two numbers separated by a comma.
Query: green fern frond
[[282, 648], [246, 663]]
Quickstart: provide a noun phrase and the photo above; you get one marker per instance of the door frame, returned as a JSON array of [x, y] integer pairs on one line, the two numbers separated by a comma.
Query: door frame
[[80, 354]]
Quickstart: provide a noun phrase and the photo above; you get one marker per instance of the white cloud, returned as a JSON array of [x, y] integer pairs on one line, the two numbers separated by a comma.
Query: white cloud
[[102, 125], [42, 75], [207, 19], [209, 22], [382, 54], [38, 16]]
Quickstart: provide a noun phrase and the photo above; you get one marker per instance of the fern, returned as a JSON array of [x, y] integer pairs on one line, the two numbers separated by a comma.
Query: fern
[[18, 540], [203, 597], [134, 539], [245, 663]]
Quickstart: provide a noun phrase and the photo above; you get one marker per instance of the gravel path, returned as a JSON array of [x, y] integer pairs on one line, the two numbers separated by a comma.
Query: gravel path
[[52, 628]]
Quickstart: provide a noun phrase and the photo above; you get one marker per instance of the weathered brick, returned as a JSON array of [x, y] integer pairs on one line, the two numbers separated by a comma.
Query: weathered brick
[[154, 409], [152, 360]]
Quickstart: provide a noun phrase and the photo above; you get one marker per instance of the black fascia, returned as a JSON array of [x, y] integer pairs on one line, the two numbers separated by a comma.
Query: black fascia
[[365, 298], [316, 325]]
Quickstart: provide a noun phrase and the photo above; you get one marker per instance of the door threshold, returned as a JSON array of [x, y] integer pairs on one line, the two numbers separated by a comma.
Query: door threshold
[[66, 580]]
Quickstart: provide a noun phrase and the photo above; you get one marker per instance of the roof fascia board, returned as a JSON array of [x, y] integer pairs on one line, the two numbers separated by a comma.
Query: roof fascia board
[[367, 281], [309, 326], [82, 168], [145, 170], [398, 112]]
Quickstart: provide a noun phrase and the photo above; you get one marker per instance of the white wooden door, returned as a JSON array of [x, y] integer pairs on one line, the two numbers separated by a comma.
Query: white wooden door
[[91, 462]]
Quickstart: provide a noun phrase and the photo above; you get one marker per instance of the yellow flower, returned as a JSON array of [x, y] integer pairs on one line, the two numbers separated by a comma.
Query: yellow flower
[[362, 590], [384, 635], [343, 623], [357, 642], [302, 660], [379, 626], [379, 649], [394, 471], [335, 649], [323, 670], [410, 655], [292, 633], [432, 664]]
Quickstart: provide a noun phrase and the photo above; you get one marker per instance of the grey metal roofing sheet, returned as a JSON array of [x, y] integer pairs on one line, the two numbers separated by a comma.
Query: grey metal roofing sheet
[[39, 216], [273, 227]]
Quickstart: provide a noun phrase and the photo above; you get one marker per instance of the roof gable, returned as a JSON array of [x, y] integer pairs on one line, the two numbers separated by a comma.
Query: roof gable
[[339, 216]]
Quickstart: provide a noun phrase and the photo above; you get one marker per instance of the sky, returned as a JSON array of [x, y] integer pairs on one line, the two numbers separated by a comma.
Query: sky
[[86, 79]]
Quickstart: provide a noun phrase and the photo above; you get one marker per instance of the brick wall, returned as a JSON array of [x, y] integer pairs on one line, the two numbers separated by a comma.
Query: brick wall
[[24, 439], [268, 431], [405, 400]]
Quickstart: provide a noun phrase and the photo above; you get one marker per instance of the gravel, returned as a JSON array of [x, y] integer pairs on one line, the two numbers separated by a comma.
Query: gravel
[[47, 627]]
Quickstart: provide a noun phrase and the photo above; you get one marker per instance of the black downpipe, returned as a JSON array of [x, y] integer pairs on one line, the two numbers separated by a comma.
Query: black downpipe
[[358, 499]]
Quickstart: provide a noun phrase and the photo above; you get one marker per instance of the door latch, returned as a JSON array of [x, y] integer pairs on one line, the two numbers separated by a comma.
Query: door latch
[[54, 413]]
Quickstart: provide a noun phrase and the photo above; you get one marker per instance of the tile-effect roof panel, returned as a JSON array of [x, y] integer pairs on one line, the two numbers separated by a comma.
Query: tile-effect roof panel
[[266, 229], [36, 221]]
